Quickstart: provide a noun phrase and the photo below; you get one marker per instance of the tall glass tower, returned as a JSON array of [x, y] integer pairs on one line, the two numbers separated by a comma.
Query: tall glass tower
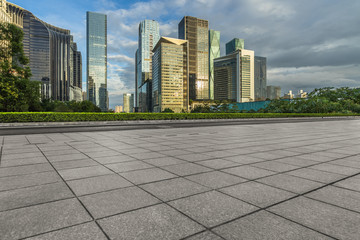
[[196, 31], [214, 52], [96, 48], [149, 35]]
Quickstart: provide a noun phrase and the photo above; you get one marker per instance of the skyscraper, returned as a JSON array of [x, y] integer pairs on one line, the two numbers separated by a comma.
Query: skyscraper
[[273, 92], [49, 49], [196, 31], [234, 76], [96, 48], [234, 45], [214, 52], [149, 35], [170, 74], [260, 78], [128, 101]]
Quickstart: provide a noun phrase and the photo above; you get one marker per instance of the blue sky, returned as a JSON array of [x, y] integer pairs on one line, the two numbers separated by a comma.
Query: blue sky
[[308, 43]]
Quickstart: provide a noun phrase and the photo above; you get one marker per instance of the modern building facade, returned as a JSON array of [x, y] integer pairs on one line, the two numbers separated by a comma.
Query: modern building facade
[[170, 75], [214, 52], [96, 48], [128, 101], [273, 92], [234, 76], [118, 109], [196, 31], [76, 64], [260, 78], [149, 35], [4, 15], [234, 45]]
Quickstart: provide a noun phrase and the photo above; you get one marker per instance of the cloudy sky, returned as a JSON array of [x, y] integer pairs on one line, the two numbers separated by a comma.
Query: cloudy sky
[[308, 43]]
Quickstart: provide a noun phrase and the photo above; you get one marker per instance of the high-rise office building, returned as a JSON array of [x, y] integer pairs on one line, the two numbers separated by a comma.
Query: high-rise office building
[[273, 92], [128, 101], [214, 52], [49, 50], [234, 76], [196, 31], [118, 109], [170, 74], [77, 66], [260, 78], [96, 48], [234, 45], [149, 35]]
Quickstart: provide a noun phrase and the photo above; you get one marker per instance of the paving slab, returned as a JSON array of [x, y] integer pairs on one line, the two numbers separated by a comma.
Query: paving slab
[[334, 221], [215, 179], [218, 163], [352, 183], [25, 169], [86, 231], [316, 175], [74, 164], [83, 172], [212, 208], [186, 169], [275, 166], [114, 159], [249, 172], [117, 201], [98, 184], [23, 161], [204, 236], [29, 221], [266, 226], [258, 194], [164, 161], [147, 175], [33, 195], [174, 188], [151, 223], [290, 183], [128, 166], [332, 168]]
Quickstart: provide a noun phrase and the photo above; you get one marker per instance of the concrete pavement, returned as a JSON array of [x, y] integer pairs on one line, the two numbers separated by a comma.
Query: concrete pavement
[[296, 180]]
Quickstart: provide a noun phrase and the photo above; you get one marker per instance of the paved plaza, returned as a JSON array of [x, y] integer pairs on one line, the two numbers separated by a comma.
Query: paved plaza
[[266, 181]]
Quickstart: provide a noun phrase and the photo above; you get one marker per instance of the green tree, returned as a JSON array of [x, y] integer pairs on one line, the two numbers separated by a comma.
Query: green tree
[[17, 92], [168, 110]]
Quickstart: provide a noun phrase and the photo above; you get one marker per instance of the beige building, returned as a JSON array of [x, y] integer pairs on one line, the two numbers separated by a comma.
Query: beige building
[[234, 76], [302, 94], [118, 109], [4, 16], [128, 101], [289, 95], [170, 75]]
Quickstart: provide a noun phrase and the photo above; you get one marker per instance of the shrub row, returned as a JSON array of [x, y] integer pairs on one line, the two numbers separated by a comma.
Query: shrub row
[[10, 117]]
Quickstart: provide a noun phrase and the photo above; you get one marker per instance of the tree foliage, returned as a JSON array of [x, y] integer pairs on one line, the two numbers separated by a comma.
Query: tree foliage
[[322, 100], [17, 92]]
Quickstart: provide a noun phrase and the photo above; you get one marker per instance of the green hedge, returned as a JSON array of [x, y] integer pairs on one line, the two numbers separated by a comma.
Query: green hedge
[[8, 117]]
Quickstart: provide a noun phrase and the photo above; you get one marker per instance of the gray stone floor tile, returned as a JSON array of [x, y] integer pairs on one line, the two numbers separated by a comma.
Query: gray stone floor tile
[[290, 183], [244, 159], [77, 173], [34, 179], [117, 201], [220, 154], [74, 164], [336, 169], [348, 162], [164, 161], [33, 195], [297, 161], [212, 208], [266, 155], [151, 223], [249, 172], [204, 236], [60, 152], [316, 175], [174, 188], [29, 221], [194, 157], [338, 196], [275, 166], [114, 159], [147, 175], [257, 193], [334, 221], [105, 153], [148, 155], [86, 231], [186, 169], [25, 169], [23, 161], [67, 157], [352, 183], [98, 184], [266, 226], [128, 166], [5, 157], [215, 179], [218, 163], [174, 152]]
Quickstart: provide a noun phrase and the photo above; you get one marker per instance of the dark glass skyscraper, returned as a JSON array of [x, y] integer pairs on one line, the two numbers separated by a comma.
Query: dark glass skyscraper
[[260, 78], [96, 48]]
